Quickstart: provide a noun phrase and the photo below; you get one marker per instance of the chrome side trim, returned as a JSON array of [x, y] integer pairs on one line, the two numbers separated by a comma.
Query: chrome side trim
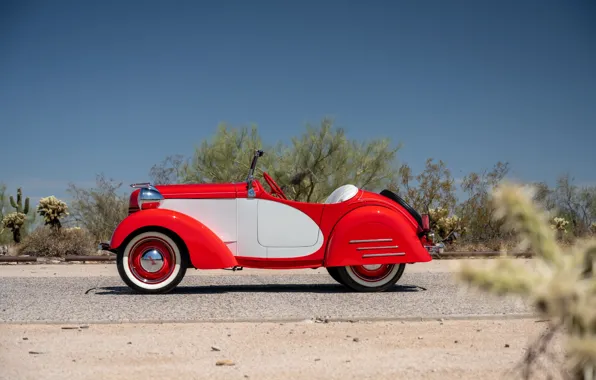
[[370, 241], [369, 248], [383, 255], [140, 185]]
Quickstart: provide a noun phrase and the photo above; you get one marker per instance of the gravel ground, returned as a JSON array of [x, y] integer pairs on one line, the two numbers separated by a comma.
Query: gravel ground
[[449, 350], [247, 297], [64, 322]]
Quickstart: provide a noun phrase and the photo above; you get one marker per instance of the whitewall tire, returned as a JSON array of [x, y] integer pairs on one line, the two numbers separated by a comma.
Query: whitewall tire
[[152, 262], [371, 278]]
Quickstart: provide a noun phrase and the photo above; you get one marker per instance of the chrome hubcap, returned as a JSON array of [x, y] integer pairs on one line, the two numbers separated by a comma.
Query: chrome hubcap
[[372, 266], [152, 261]]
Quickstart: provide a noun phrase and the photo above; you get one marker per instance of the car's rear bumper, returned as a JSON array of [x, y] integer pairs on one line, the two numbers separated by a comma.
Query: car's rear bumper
[[434, 249]]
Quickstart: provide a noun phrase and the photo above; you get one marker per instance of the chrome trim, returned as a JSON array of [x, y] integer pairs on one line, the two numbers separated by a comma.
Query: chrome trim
[[150, 194], [369, 248], [140, 185], [152, 261], [383, 255], [437, 248], [370, 241]]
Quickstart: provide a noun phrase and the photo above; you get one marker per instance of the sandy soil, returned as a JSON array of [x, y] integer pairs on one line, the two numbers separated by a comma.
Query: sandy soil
[[451, 349]]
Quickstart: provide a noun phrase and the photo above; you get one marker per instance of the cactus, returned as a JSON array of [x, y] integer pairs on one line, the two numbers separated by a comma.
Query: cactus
[[18, 205], [52, 209], [14, 222]]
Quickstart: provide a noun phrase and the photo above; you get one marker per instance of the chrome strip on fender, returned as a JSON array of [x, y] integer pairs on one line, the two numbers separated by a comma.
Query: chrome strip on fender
[[369, 248], [370, 241], [383, 254]]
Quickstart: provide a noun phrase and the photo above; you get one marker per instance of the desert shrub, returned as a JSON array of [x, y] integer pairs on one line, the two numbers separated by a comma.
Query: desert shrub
[[52, 209], [100, 209], [45, 241], [560, 282]]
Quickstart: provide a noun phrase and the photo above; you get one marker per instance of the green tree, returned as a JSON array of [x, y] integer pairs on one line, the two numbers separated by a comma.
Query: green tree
[[435, 187], [224, 158], [99, 210], [168, 171], [308, 169], [477, 210], [323, 158], [576, 204]]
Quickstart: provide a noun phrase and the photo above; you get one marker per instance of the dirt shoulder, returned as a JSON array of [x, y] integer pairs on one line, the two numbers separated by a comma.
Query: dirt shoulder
[[451, 349]]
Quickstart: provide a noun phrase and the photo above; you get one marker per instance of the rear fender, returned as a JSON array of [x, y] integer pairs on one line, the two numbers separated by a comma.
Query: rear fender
[[205, 249], [374, 235]]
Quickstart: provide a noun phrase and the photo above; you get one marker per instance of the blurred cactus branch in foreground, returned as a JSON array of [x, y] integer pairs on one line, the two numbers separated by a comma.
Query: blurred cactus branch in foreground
[[559, 283]]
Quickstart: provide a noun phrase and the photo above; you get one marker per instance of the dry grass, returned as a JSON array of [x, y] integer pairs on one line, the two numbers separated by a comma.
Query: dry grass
[[45, 242]]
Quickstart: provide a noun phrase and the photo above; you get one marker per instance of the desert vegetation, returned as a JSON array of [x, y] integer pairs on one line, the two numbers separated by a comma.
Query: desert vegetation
[[559, 283], [307, 168]]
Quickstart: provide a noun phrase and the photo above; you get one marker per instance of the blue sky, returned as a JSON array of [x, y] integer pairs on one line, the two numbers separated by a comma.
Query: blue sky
[[116, 86]]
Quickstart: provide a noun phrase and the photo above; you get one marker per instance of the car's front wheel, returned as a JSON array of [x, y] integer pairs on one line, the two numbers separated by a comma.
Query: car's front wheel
[[152, 262], [371, 278]]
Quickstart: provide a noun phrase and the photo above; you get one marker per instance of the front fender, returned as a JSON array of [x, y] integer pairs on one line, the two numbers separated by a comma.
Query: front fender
[[374, 235], [205, 249]]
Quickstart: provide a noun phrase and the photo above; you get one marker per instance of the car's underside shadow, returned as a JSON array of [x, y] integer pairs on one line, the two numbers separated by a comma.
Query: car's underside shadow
[[264, 288]]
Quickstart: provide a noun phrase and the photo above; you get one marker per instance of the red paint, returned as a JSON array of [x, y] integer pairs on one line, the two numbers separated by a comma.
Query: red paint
[[205, 249], [291, 263], [275, 189], [367, 215], [200, 191], [426, 222], [374, 222], [150, 205]]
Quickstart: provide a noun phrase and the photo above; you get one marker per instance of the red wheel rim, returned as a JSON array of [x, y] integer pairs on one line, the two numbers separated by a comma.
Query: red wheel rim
[[372, 273], [152, 260]]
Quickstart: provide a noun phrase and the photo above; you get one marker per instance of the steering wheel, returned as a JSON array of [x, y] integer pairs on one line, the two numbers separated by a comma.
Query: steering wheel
[[275, 190]]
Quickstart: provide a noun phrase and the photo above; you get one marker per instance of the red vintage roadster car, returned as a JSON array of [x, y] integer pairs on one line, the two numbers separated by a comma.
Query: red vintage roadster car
[[363, 239]]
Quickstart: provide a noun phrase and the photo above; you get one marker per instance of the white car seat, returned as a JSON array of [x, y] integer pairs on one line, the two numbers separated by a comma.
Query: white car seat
[[342, 194]]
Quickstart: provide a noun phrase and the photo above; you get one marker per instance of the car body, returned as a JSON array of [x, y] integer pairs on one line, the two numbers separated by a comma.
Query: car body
[[363, 239]]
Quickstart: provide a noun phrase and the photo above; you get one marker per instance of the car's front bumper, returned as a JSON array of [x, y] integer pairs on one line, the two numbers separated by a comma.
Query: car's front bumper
[[105, 247]]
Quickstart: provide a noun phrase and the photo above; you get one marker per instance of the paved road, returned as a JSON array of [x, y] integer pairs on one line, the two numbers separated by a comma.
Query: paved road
[[94, 294]]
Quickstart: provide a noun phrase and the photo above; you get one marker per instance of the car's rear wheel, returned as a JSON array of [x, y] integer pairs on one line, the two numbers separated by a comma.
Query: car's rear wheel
[[334, 273], [371, 278], [152, 262]]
